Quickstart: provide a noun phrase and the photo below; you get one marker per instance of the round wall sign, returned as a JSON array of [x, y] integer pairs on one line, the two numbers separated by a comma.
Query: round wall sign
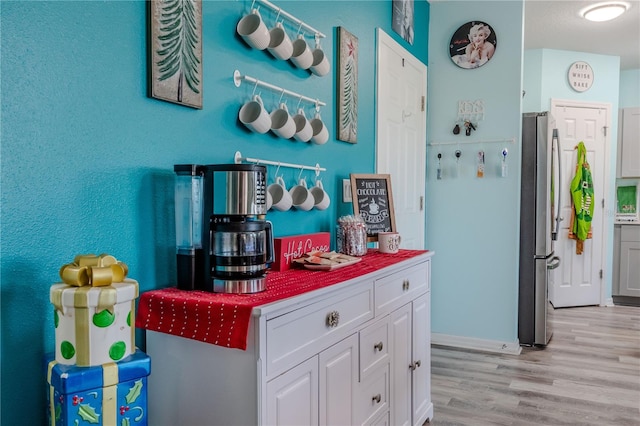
[[580, 76], [472, 45]]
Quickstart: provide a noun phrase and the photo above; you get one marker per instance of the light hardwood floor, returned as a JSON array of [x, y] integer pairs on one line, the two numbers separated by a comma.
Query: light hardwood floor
[[589, 374]]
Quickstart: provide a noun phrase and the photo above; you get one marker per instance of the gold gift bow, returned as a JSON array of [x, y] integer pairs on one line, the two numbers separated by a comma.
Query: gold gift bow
[[97, 271]]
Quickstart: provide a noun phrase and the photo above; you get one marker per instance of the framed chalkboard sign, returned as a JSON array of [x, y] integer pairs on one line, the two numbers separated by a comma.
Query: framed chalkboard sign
[[373, 200]]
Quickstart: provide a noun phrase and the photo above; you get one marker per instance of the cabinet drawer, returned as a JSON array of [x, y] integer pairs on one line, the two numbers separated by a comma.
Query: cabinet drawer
[[630, 233], [300, 334], [372, 397], [397, 289], [374, 347]]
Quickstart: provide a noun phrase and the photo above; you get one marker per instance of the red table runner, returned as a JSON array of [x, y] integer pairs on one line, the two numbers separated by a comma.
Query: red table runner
[[223, 319]]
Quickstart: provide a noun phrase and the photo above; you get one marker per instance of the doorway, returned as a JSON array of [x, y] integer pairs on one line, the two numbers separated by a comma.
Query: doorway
[[401, 118], [578, 281]]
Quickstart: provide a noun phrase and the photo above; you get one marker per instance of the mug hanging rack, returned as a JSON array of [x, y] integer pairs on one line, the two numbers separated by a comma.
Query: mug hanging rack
[[512, 140], [238, 158], [290, 17], [237, 80]]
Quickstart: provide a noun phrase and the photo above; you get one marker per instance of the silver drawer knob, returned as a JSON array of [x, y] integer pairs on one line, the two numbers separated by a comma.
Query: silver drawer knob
[[378, 346], [333, 318], [377, 398], [405, 285]]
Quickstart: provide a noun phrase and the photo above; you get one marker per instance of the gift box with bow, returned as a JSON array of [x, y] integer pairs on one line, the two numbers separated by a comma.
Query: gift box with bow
[[94, 311]]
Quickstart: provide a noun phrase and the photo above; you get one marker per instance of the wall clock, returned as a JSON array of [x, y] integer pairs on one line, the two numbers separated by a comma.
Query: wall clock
[[473, 45], [580, 76]]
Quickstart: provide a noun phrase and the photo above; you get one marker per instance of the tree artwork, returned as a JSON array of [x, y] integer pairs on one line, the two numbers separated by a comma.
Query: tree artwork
[[176, 51], [347, 87]]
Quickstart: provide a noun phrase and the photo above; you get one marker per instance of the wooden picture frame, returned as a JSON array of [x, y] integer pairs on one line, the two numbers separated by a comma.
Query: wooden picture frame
[[347, 87], [175, 51], [373, 201]]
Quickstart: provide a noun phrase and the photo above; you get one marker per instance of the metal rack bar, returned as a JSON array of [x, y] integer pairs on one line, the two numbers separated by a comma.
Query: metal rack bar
[[238, 158], [512, 140], [237, 79], [291, 18]]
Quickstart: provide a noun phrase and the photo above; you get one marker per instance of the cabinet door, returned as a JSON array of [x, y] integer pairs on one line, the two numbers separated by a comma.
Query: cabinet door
[[630, 146], [629, 268], [292, 398], [338, 379], [421, 374], [401, 359]]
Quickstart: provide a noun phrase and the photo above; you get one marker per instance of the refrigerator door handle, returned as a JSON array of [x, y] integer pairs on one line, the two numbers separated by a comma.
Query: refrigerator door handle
[[554, 234], [554, 263]]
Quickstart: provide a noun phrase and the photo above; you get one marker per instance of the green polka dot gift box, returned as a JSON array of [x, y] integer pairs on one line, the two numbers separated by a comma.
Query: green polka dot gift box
[[110, 394], [94, 325]]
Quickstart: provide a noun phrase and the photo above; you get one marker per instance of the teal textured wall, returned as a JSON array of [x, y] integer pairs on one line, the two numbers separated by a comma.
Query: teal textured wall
[[87, 158], [473, 224]]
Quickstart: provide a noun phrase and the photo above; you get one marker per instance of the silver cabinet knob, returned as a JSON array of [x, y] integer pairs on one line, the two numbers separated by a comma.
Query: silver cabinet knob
[[405, 285], [333, 318], [378, 346], [377, 398]]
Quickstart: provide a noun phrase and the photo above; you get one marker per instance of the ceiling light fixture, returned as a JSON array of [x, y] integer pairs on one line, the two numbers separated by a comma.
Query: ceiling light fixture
[[600, 12]]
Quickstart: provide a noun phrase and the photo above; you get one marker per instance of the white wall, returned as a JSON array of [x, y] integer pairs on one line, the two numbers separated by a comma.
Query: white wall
[[629, 88], [472, 224]]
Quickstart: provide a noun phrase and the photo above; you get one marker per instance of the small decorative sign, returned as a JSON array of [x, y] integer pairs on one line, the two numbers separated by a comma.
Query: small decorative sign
[[286, 249], [580, 76], [373, 201]]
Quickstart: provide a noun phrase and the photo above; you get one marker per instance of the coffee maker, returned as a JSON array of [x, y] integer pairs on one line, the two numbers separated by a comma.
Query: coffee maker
[[223, 242]]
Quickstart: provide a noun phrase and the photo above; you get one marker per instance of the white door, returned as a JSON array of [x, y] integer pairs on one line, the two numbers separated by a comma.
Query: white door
[[401, 135], [292, 398], [401, 359], [577, 281], [338, 376], [421, 377]]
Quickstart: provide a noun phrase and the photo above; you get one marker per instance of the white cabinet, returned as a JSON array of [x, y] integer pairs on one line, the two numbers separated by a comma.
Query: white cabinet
[[629, 274], [292, 398], [629, 143], [356, 353], [411, 347], [338, 379]]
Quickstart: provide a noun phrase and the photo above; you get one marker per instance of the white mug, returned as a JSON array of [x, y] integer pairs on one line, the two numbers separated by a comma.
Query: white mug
[[303, 127], [388, 242], [254, 116], [320, 65], [301, 196], [320, 131], [269, 201], [321, 199], [282, 123], [253, 30], [280, 197], [280, 44], [301, 56]]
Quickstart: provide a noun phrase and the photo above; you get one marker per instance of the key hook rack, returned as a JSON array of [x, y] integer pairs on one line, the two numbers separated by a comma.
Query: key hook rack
[[238, 158], [290, 17], [511, 140], [237, 80]]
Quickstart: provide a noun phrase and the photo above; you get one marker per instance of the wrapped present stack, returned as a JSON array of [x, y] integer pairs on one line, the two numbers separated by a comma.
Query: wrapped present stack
[[96, 374]]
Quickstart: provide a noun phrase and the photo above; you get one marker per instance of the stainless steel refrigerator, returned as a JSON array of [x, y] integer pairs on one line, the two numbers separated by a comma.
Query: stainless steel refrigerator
[[539, 224]]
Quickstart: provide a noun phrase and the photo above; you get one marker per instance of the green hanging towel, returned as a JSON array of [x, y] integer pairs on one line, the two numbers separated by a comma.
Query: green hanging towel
[[582, 197]]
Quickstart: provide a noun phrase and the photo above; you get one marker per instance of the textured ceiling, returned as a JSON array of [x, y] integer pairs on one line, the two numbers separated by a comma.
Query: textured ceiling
[[558, 25]]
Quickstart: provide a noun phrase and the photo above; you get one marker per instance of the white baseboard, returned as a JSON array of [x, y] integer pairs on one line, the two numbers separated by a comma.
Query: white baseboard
[[511, 348], [608, 301]]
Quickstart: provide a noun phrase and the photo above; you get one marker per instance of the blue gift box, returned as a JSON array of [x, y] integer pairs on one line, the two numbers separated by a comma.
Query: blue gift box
[[114, 393]]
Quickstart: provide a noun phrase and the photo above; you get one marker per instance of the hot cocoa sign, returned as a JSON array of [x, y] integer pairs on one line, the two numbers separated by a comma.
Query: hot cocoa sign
[[289, 248], [372, 200]]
